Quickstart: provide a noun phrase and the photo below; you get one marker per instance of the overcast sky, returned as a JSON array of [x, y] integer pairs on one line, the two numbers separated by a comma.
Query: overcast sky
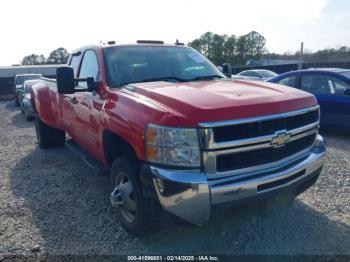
[[40, 26]]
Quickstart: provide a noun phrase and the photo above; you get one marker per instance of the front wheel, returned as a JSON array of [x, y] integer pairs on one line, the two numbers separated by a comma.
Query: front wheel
[[127, 196]]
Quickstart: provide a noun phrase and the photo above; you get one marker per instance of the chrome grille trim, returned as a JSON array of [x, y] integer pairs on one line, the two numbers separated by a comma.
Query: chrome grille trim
[[211, 149], [208, 136], [212, 173], [206, 132]]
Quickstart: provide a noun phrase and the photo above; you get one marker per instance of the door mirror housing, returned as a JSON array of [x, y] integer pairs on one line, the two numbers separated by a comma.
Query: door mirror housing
[[92, 85], [347, 91], [65, 80], [227, 69]]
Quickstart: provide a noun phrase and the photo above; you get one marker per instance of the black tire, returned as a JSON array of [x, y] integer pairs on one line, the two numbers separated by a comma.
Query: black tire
[[127, 166], [48, 136], [27, 116]]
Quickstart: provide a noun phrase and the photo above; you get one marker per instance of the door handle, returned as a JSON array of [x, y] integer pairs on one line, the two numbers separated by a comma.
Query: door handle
[[73, 100]]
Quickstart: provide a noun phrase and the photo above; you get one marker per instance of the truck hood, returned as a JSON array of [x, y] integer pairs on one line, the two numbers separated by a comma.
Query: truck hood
[[219, 100]]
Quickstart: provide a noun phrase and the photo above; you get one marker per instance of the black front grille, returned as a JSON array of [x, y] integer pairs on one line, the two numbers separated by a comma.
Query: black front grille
[[264, 127], [263, 156]]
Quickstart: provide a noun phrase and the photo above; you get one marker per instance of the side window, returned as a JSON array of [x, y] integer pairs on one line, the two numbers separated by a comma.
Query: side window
[[316, 84], [254, 74], [338, 85], [288, 81], [89, 67], [251, 73], [74, 63]]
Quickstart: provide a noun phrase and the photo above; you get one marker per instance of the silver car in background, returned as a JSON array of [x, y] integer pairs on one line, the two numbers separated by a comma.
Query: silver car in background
[[256, 74]]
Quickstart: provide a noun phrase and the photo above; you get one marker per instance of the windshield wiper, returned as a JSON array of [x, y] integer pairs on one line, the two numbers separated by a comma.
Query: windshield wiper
[[208, 77]]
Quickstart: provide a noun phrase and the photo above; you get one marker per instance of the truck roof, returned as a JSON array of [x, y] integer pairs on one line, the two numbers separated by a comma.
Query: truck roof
[[139, 43]]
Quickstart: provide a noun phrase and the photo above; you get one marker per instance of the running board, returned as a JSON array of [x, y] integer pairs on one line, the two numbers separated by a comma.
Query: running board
[[92, 162]]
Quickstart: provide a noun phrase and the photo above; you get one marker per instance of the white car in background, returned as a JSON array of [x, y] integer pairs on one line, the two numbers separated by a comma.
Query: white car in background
[[256, 74]]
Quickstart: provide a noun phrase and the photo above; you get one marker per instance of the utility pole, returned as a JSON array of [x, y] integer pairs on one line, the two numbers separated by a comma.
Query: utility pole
[[300, 66]]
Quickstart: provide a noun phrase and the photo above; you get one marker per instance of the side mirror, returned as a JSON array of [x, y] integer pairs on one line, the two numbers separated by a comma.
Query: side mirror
[[347, 91], [92, 85], [227, 69], [65, 80]]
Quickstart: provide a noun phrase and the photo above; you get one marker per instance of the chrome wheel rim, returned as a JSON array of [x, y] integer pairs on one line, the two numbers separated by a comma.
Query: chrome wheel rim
[[123, 197]]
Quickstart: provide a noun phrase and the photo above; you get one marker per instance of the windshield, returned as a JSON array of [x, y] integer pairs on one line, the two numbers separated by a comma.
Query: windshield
[[266, 73], [133, 64], [346, 74]]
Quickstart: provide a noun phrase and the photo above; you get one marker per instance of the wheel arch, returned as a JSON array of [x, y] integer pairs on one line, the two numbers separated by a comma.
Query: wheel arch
[[115, 146]]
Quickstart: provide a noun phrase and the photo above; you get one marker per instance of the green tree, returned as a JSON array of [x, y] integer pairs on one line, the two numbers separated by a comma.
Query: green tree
[[58, 56], [255, 45], [33, 59], [230, 53], [217, 49], [242, 50]]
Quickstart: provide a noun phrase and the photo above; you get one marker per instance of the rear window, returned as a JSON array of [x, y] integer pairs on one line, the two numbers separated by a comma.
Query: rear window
[[346, 74]]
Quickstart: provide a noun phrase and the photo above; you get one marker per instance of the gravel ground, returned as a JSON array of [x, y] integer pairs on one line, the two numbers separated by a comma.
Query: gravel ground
[[51, 202]]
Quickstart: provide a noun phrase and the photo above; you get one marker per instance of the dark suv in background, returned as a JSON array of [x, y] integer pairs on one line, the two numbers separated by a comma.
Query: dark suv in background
[[19, 84]]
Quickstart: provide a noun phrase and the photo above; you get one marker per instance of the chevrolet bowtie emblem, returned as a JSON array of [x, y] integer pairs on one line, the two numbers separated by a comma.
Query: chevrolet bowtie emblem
[[280, 139]]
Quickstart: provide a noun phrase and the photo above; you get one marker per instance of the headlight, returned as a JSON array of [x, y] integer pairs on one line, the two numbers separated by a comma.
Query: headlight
[[27, 96], [172, 146]]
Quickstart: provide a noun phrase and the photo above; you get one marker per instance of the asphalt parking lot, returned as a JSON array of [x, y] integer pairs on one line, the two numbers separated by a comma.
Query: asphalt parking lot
[[51, 202]]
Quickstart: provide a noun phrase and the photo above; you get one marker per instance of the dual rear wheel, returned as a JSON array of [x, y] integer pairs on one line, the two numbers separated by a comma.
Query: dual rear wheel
[[48, 136]]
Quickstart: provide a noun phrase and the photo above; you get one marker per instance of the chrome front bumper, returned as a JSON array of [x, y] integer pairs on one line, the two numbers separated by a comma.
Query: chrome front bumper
[[190, 195]]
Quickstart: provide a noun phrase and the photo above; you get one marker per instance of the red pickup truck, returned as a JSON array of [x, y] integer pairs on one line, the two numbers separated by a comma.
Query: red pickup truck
[[174, 131]]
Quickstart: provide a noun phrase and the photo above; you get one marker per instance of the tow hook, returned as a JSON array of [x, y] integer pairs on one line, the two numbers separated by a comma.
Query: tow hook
[[116, 198]]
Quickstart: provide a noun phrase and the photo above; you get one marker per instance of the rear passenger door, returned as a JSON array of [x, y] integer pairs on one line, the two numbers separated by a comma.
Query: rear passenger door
[[329, 91], [85, 117], [339, 103]]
